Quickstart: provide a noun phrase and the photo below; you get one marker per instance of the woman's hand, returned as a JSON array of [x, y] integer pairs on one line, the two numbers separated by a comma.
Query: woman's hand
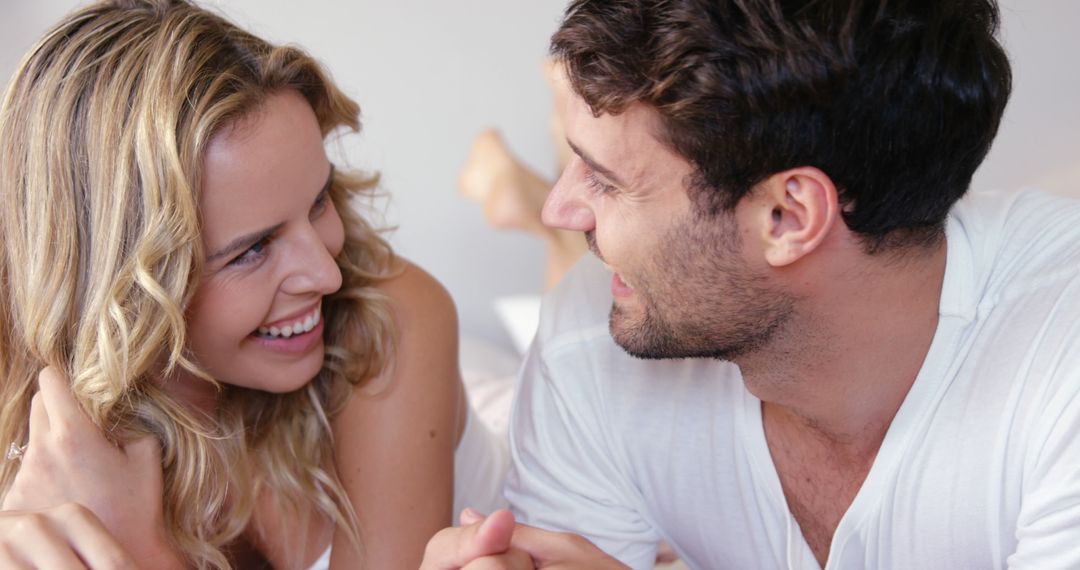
[[71, 476], [63, 537]]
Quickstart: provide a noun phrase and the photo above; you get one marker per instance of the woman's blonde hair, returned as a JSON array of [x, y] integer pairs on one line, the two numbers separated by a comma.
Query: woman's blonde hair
[[102, 134]]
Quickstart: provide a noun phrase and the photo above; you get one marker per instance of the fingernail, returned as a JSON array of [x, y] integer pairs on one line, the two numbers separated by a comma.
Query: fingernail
[[469, 516]]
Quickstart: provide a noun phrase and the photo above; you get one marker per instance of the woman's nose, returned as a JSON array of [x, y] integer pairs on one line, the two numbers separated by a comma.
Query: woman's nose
[[314, 268]]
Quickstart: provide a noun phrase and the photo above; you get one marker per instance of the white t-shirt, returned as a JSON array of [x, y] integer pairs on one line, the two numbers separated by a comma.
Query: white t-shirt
[[979, 469]]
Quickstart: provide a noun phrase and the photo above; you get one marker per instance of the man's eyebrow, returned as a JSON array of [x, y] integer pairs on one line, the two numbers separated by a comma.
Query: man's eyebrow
[[596, 166], [258, 235]]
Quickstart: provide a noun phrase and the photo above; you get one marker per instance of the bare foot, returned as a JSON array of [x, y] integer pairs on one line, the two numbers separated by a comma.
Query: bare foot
[[512, 195]]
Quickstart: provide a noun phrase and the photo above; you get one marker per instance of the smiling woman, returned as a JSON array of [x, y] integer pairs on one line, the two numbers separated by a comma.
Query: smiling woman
[[273, 235], [180, 257]]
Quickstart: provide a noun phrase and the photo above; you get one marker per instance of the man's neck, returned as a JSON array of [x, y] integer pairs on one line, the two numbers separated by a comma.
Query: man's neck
[[849, 356]]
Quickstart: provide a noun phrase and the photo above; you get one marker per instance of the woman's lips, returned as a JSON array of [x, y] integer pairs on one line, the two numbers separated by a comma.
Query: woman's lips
[[294, 344], [299, 324]]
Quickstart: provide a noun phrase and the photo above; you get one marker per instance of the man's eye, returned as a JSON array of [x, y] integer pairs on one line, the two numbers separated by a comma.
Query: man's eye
[[596, 184]]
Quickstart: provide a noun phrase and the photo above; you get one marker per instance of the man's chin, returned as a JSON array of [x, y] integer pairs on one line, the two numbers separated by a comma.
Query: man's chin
[[641, 338], [660, 350], [649, 339]]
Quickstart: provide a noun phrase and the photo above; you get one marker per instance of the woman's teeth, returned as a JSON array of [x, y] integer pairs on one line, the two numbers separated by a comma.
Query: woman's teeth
[[299, 327]]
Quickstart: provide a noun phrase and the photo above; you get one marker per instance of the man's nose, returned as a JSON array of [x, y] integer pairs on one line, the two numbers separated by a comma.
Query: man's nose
[[567, 206]]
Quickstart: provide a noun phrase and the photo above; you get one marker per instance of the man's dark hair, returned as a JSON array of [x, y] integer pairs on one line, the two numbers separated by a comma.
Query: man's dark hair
[[897, 101]]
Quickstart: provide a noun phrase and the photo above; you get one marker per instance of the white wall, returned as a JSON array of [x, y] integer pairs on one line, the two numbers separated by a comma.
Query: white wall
[[1039, 141], [430, 73]]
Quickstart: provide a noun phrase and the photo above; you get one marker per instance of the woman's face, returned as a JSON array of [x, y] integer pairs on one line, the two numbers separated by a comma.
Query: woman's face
[[270, 234]]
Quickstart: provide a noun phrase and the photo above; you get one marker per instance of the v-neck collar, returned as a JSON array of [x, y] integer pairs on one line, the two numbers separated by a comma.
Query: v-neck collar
[[957, 308]]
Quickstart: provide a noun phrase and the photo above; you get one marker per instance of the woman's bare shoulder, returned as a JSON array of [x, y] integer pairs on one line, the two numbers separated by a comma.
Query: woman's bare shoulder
[[425, 349], [394, 443], [418, 299]]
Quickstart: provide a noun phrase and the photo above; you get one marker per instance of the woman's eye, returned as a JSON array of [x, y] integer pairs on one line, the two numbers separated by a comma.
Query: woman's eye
[[320, 204], [252, 254]]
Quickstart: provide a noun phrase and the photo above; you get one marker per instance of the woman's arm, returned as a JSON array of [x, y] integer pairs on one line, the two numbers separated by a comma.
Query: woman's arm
[[395, 440]]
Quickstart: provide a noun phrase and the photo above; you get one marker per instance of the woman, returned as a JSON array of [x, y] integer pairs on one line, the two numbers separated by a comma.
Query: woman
[[177, 244]]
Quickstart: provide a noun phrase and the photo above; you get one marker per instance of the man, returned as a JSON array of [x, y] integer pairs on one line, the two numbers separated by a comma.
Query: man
[[806, 350]]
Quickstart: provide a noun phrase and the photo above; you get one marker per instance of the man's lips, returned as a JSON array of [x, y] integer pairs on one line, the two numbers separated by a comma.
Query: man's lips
[[619, 287]]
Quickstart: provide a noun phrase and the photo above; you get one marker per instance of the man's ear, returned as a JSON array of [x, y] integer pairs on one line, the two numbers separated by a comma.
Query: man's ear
[[798, 209]]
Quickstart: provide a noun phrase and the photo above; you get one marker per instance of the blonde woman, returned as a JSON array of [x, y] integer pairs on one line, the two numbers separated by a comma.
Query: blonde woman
[[180, 256]]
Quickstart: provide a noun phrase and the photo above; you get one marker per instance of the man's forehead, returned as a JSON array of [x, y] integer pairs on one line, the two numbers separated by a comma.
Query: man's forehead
[[637, 120], [628, 143]]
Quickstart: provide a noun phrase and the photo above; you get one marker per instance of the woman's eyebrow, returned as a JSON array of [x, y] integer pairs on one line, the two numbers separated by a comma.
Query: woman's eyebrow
[[243, 242], [255, 236]]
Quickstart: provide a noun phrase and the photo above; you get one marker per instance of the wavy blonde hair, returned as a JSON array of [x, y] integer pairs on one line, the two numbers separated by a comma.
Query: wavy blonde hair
[[102, 134]]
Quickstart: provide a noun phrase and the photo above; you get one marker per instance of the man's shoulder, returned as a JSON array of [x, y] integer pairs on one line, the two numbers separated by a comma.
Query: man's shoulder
[[1018, 281], [1018, 238], [1011, 246]]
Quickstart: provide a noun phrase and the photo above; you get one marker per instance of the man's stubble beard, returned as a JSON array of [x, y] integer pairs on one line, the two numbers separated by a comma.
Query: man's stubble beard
[[699, 299]]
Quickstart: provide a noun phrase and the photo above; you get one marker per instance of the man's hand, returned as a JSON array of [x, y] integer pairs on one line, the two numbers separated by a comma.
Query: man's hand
[[560, 550], [478, 537], [496, 542], [69, 463]]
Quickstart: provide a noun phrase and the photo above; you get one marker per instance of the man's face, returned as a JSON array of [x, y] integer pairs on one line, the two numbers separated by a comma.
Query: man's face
[[681, 282]]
